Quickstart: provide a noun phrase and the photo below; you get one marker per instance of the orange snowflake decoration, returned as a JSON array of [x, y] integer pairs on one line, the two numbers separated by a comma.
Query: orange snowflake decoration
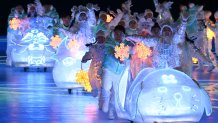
[[55, 41], [73, 44], [122, 52], [83, 79], [14, 23], [142, 51], [109, 18]]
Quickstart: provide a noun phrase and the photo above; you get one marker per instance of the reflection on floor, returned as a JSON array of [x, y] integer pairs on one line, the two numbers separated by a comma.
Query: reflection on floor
[[33, 97]]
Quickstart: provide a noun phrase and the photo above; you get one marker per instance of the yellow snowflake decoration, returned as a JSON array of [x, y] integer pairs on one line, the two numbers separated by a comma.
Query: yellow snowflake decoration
[[210, 34], [143, 51], [14, 23], [194, 60], [122, 52], [83, 79], [73, 44], [109, 18], [55, 41]]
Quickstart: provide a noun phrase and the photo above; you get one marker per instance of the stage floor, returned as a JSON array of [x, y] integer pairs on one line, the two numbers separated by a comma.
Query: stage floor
[[32, 96]]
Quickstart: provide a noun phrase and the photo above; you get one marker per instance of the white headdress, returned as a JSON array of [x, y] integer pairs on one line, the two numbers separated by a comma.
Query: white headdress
[[216, 14], [164, 26], [148, 11], [81, 9]]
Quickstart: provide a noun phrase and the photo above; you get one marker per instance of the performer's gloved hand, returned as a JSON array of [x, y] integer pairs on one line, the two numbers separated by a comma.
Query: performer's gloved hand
[[119, 11], [129, 4], [74, 8], [96, 7], [90, 6], [84, 60]]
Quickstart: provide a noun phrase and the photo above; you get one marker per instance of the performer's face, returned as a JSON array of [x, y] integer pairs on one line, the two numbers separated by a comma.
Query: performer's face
[[82, 17], [104, 17], [32, 9], [133, 24], [167, 32], [66, 20], [182, 7], [100, 39], [47, 7], [155, 31], [19, 9], [118, 35], [148, 15], [122, 23]]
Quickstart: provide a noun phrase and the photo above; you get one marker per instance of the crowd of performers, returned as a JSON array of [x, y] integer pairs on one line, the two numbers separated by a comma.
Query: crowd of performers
[[157, 42]]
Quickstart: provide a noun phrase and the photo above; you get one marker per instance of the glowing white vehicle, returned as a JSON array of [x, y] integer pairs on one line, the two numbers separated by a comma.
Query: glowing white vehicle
[[68, 60], [164, 95], [29, 44]]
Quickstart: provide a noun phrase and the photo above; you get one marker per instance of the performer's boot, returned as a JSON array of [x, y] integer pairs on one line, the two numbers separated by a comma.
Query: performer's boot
[[111, 113]]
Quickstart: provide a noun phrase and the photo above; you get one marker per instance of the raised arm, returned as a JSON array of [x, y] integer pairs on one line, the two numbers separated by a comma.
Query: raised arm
[[156, 3], [179, 36], [116, 20], [39, 8], [91, 14], [150, 42]]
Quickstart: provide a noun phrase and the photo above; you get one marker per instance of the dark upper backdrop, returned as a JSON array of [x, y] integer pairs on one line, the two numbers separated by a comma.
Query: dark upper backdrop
[[63, 6]]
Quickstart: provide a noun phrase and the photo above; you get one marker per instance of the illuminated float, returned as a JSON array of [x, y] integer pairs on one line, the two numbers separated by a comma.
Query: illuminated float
[[164, 95], [67, 69], [29, 42]]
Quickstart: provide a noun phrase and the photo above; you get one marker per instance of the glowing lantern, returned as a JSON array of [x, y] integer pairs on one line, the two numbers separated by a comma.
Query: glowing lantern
[[142, 51], [55, 41], [73, 44], [194, 60], [109, 18], [14, 23], [83, 79], [210, 34], [122, 52]]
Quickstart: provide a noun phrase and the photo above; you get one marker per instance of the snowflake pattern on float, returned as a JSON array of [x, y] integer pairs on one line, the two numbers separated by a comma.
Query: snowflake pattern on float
[[122, 52], [73, 44], [14, 23], [55, 41], [83, 79]]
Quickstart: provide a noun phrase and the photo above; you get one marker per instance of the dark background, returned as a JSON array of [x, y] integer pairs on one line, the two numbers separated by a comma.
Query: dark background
[[63, 6]]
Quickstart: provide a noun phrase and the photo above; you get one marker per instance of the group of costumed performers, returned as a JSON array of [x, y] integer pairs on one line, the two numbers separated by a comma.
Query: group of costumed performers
[[29, 35], [116, 40]]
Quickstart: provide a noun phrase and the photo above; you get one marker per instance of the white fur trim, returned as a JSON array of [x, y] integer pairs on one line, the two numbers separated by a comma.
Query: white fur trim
[[161, 31]]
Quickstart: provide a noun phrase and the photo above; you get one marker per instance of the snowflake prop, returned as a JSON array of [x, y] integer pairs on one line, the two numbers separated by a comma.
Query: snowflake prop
[[73, 44], [194, 60], [210, 34], [83, 79], [14, 23], [143, 51], [122, 52], [55, 41], [109, 18]]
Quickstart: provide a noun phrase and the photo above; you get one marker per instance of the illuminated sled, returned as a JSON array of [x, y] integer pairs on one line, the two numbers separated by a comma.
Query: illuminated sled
[[28, 45], [164, 95], [68, 61]]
